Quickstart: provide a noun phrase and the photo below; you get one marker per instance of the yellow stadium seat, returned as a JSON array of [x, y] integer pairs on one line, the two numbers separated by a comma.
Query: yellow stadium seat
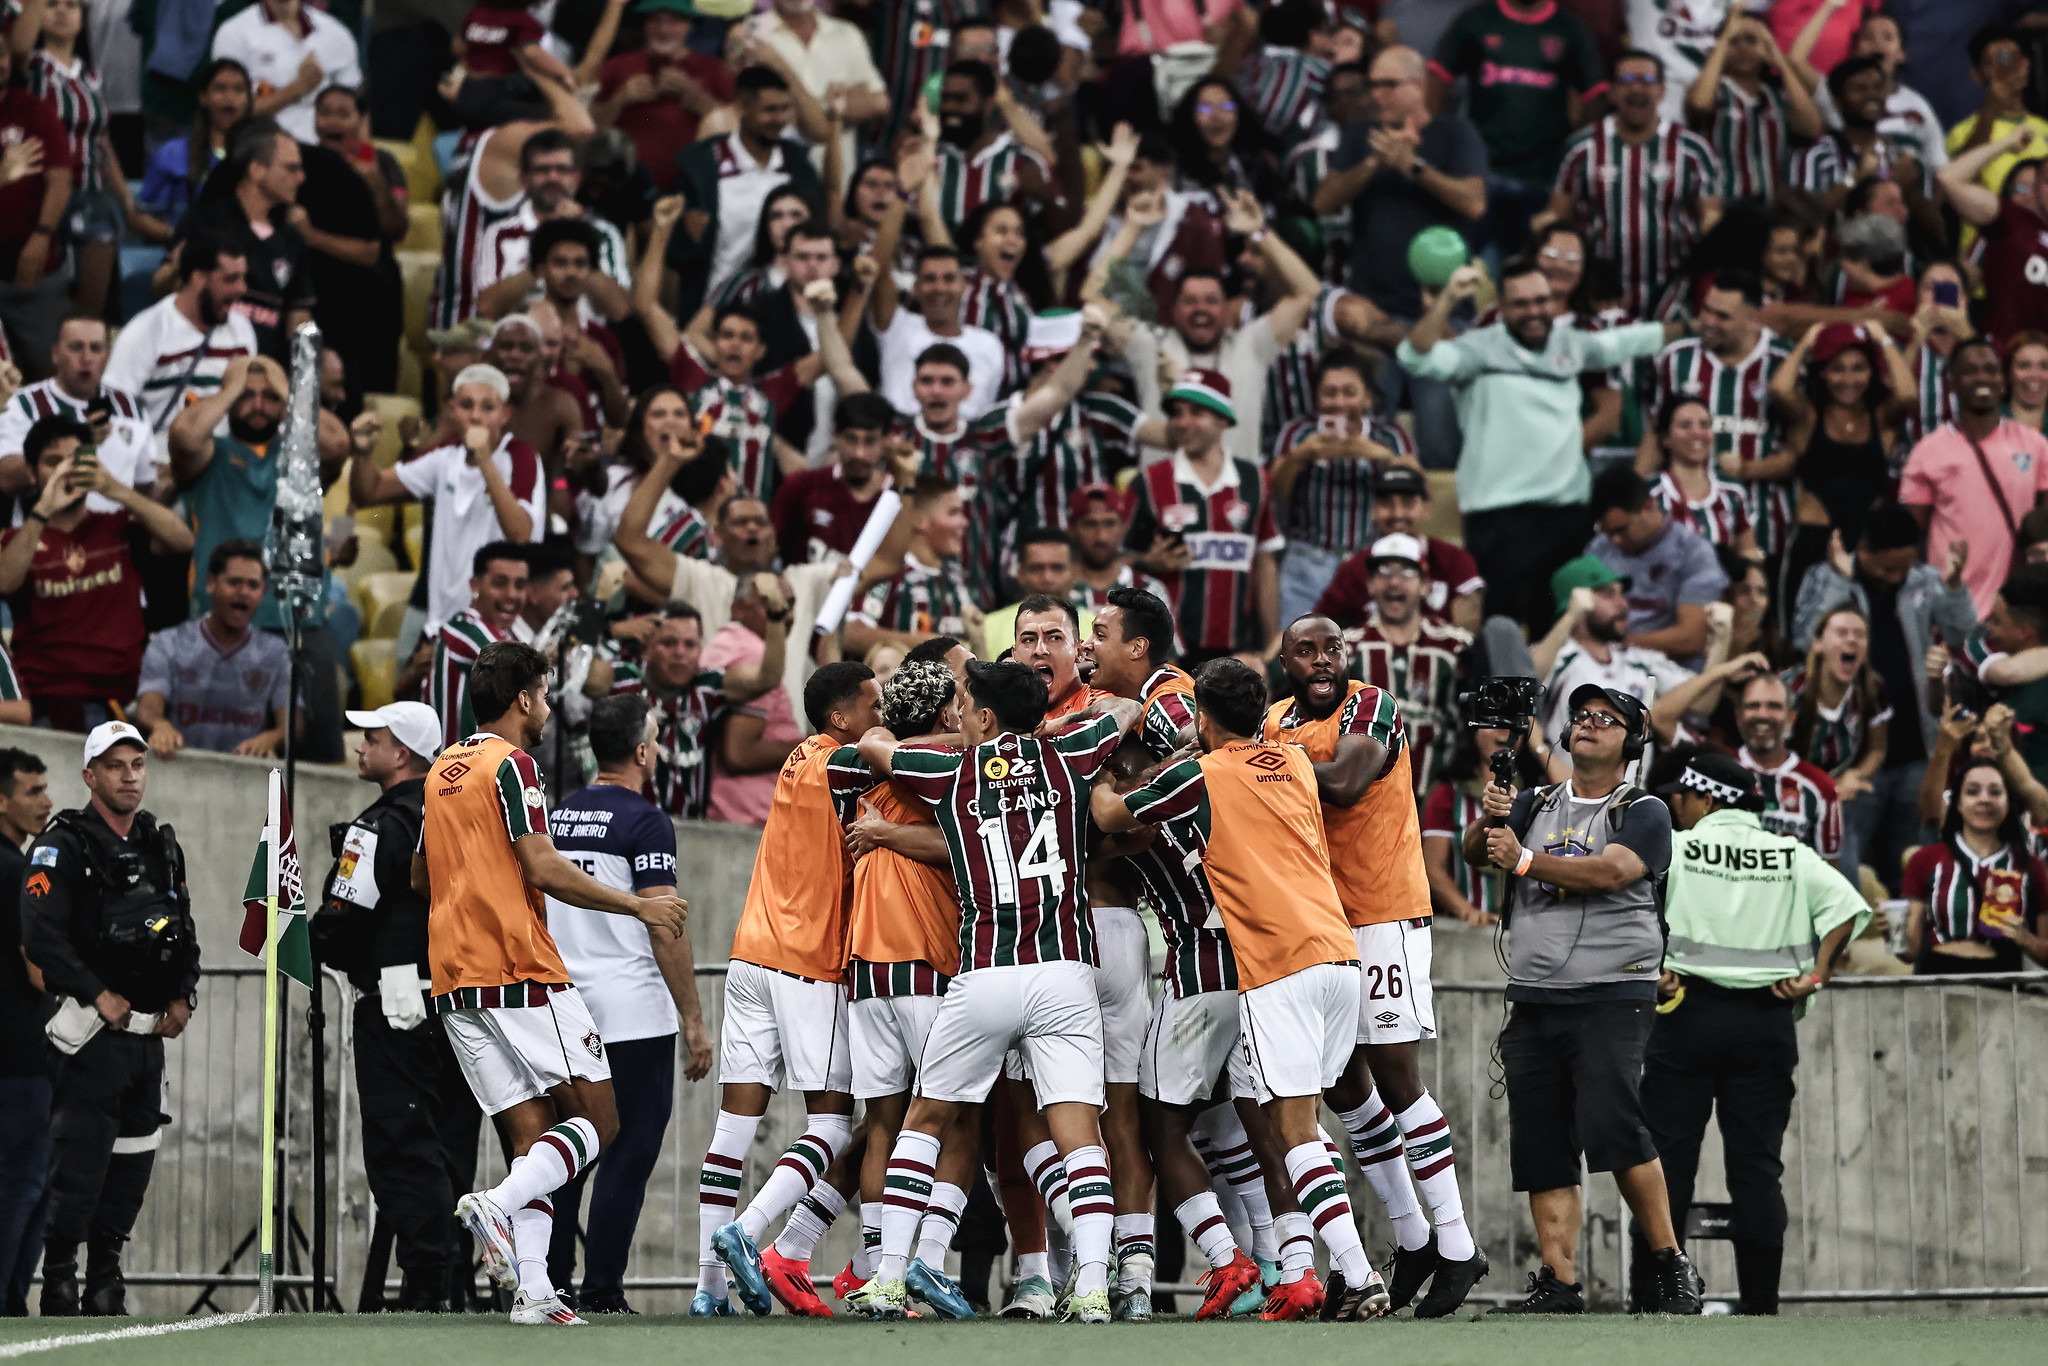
[[409, 372], [1442, 521], [376, 666], [389, 408], [375, 523], [423, 228], [372, 557], [417, 268], [377, 592], [415, 541]]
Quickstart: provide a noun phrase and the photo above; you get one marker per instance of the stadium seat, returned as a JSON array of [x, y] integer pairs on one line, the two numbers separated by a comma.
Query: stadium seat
[[376, 668], [372, 557], [1442, 521], [423, 228], [409, 374], [377, 595], [375, 523], [389, 408], [417, 268]]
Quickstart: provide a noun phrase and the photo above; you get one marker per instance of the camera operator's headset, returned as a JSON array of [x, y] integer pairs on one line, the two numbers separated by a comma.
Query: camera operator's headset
[[1635, 718]]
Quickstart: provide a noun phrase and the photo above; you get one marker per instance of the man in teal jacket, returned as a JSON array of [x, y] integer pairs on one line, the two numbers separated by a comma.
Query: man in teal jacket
[[1522, 479], [1755, 922]]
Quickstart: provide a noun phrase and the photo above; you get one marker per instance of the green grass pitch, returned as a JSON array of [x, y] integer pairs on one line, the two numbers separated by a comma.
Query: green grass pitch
[[418, 1340]]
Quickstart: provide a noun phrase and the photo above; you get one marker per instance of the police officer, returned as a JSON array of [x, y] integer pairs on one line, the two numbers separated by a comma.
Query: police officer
[[107, 919], [1755, 921], [372, 925]]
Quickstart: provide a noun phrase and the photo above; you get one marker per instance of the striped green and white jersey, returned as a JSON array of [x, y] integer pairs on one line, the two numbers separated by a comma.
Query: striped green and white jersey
[[920, 598], [910, 42], [1014, 811], [1449, 808], [1176, 886], [1738, 399], [1751, 139], [969, 180], [73, 94], [1640, 202], [462, 637], [960, 458]]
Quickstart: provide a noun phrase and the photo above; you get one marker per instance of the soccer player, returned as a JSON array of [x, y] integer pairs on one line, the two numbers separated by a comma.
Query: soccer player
[[1012, 810], [904, 948], [1353, 734], [1133, 653], [785, 995], [1048, 643], [523, 1037], [1190, 1041], [1252, 809]]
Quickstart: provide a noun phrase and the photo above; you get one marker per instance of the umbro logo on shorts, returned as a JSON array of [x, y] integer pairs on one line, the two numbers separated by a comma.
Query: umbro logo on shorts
[[1387, 1019], [1270, 760], [594, 1044]]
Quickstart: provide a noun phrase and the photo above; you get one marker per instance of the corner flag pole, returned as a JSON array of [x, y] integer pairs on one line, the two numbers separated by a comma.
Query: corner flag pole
[[266, 1265]]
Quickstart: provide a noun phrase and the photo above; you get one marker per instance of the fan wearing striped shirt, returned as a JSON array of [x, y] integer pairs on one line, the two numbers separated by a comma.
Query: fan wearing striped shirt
[[497, 590], [1750, 105]]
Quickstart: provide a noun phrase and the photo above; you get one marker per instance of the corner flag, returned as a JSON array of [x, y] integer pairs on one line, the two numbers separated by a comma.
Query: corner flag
[[275, 872]]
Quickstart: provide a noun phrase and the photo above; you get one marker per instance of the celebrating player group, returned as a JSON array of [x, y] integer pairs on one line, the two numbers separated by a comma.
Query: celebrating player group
[[943, 926]]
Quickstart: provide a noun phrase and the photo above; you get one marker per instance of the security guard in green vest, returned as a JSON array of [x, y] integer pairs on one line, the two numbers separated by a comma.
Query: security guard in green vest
[[1754, 923]]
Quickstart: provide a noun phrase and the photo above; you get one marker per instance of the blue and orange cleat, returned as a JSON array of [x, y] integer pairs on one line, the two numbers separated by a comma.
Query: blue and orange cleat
[[743, 1260]]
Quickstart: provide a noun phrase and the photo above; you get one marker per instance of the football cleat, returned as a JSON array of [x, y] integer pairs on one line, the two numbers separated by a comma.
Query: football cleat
[[1348, 1303], [1092, 1307], [480, 1214], [1452, 1283], [887, 1299], [550, 1311], [1226, 1284], [1133, 1307], [743, 1260], [705, 1305], [1301, 1299], [932, 1286], [1408, 1270], [1547, 1295], [790, 1282], [1254, 1297], [845, 1283], [1030, 1298]]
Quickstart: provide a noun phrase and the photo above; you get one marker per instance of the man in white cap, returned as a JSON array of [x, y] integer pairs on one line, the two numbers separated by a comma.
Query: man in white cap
[[1415, 658], [486, 485], [1204, 526], [107, 920], [373, 925]]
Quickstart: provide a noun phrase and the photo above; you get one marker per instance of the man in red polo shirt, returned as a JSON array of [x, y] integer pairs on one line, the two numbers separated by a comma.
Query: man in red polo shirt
[[1451, 586], [656, 95]]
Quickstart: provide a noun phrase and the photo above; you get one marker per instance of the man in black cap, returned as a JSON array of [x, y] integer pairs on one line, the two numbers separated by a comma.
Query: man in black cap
[[1755, 921], [1452, 590], [1586, 859]]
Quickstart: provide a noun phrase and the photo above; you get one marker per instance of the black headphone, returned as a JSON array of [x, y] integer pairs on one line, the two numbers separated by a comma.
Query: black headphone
[[1635, 719]]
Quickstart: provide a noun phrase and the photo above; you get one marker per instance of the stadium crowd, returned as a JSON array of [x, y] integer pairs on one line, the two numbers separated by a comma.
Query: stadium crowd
[[760, 366]]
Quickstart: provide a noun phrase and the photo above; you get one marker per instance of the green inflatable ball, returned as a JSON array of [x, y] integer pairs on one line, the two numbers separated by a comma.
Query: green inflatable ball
[[1434, 254]]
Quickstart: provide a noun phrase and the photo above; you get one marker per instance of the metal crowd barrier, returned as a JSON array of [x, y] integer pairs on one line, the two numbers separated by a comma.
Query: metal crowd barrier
[[1915, 1162]]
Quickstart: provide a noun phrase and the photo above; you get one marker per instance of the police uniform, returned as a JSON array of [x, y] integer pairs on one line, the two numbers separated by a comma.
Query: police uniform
[[103, 912], [420, 1123], [1745, 909]]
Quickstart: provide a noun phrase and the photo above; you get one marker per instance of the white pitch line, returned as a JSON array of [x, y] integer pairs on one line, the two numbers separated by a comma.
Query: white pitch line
[[149, 1330]]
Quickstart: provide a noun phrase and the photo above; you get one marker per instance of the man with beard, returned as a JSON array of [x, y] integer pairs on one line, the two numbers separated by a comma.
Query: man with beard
[[213, 683], [1645, 187], [819, 513], [1856, 151], [1523, 484], [176, 350], [983, 159], [254, 218], [1352, 733], [1589, 644], [1045, 566], [1451, 586], [229, 486], [536, 413], [1417, 661], [1799, 796], [507, 271], [504, 997]]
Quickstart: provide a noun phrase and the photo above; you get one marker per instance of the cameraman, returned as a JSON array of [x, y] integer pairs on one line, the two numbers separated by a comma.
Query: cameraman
[[1585, 859], [1756, 920], [108, 921]]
